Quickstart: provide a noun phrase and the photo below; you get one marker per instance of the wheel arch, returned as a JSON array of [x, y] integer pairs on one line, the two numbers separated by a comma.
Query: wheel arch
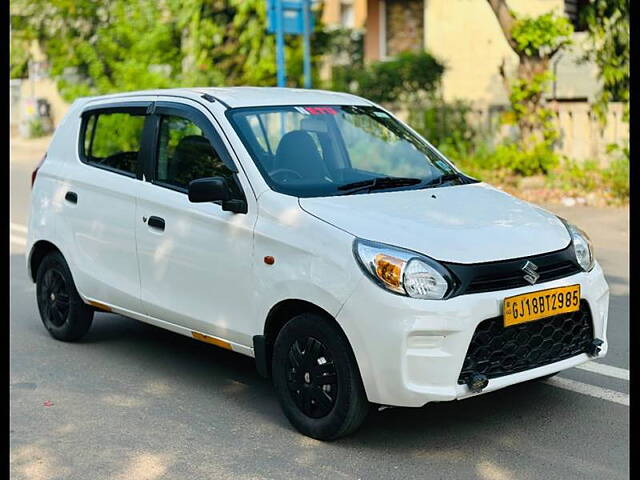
[[37, 253], [278, 316]]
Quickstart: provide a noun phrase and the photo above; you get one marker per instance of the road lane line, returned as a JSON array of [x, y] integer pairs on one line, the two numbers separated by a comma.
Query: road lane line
[[591, 390], [18, 228], [607, 370], [18, 240]]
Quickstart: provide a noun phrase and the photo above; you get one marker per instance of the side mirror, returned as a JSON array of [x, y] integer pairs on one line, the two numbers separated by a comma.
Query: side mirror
[[209, 189], [215, 189]]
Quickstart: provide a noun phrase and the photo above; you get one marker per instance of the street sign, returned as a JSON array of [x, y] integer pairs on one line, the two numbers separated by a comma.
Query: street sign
[[293, 17]]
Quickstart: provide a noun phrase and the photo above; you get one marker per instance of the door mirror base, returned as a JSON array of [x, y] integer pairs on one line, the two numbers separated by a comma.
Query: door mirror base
[[235, 206]]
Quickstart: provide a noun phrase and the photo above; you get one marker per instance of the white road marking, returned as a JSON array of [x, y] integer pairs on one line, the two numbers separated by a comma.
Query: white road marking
[[18, 228], [591, 390], [607, 370], [18, 240]]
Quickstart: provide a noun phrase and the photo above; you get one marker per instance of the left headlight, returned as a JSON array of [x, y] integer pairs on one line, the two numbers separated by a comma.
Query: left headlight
[[582, 246], [402, 271]]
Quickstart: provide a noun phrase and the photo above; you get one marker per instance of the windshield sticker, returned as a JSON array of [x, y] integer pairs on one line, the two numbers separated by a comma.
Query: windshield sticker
[[321, 110], [301, 110], [381, 114]]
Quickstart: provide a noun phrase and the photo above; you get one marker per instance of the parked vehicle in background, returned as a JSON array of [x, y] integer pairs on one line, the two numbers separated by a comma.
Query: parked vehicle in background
[[316, 233]]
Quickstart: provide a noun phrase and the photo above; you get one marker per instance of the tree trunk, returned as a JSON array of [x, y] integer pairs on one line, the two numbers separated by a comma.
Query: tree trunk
[[529, 67]]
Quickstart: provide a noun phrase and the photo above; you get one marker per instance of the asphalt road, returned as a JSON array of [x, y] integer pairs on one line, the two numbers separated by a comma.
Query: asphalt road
[[136, 402]]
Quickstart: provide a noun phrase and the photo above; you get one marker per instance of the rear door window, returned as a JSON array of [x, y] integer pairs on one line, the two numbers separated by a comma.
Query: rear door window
[[112, 140]]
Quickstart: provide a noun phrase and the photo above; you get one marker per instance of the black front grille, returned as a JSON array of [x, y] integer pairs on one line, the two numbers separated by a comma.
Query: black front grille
[[489, 283], [496, 350], [506, 274]]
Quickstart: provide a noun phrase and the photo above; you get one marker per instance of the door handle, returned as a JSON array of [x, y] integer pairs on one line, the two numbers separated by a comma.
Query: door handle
[[71, 197], [156, 222]]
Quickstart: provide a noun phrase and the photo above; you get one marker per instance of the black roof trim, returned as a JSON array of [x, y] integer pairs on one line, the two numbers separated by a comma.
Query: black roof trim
[[211, 98]]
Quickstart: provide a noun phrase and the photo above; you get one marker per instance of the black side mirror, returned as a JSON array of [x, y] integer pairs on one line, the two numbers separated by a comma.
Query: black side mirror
[[209, 189], [215, 189]]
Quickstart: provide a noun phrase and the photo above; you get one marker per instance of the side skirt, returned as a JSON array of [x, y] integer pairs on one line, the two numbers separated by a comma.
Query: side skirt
[[203, 337]]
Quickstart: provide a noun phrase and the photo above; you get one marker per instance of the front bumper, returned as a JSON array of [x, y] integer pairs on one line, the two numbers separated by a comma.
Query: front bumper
[[411, 351]]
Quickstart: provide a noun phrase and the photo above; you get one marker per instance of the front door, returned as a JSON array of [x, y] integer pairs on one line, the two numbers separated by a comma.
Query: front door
[[194, 258]]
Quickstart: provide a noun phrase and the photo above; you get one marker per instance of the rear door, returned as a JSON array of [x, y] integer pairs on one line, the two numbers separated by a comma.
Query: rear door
[[97, 225], [194, 258]]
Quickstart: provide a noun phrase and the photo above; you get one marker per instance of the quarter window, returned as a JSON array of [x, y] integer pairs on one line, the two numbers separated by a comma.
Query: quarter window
[[112, 141], [185, 154]]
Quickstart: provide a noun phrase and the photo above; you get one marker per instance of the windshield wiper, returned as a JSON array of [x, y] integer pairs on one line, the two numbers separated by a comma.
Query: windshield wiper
[[447, 177], [378, 183]]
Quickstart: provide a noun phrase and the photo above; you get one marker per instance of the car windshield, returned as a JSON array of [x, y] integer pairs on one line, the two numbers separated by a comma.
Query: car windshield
[[311, 151]]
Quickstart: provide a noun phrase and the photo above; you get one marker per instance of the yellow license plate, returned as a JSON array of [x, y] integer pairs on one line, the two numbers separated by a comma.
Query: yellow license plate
[[544, 303]]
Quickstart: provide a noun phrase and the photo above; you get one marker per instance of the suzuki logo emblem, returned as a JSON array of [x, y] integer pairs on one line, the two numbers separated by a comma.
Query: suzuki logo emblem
[[531, 274]]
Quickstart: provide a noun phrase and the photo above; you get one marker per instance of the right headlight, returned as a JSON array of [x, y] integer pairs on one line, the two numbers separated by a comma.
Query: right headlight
[[402, 271]]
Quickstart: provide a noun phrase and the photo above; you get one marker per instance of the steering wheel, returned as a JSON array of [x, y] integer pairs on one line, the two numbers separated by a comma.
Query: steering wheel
[[285, 172]]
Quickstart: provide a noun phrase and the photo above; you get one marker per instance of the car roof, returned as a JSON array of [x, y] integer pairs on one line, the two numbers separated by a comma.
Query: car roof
[[234, 97]]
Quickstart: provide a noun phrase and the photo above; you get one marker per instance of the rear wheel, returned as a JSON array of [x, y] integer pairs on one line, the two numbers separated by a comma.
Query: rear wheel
[[317, 379], [65, 316]]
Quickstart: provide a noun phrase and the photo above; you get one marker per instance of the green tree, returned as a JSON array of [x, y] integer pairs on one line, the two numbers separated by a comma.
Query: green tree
[[115, 45], [535, 40], [609, 47]]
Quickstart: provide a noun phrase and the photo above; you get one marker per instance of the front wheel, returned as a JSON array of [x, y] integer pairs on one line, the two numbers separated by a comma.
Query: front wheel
[[317, 379], [65, 316]]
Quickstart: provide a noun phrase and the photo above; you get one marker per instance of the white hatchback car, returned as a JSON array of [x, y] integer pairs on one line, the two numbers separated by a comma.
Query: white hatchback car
[[313, 231]]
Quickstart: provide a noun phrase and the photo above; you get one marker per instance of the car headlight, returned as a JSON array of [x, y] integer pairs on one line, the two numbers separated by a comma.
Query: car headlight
[[582, 246], [402, 271]]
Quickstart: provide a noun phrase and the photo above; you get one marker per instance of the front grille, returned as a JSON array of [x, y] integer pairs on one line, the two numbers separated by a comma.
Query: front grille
[[496, 350], [506, 274], [490, 283]]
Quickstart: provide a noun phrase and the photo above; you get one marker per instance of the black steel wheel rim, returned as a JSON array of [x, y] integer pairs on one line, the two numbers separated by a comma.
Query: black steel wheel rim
[[311, 377], [54, 297]]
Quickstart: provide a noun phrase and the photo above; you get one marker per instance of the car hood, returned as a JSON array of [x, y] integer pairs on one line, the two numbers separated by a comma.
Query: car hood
[[463, 223]]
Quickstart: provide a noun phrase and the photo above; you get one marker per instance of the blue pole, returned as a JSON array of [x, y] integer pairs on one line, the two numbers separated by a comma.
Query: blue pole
[[306, 44], [282, 74]]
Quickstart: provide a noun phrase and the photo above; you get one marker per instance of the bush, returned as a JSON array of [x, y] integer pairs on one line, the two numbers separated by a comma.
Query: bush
[[36, 128], [584, 177], [617, 175], [447, 126], [389, 81]]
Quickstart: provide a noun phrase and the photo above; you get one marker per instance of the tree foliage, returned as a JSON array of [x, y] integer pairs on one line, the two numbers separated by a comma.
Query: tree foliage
[[115, 45], [609, 46], [541, 36]]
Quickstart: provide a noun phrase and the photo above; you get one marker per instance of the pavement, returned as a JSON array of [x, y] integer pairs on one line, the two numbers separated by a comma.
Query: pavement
[[134, 402]]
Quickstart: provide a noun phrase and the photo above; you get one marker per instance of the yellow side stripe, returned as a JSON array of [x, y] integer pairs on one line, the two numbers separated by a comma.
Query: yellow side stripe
[[214, 341], [99, 305]]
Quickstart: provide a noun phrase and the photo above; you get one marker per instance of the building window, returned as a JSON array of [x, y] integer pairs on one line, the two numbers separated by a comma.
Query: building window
[[347, 18], [573, 10]]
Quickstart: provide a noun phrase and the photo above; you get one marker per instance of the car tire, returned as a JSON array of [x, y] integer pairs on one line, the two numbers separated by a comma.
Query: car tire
[[63, 313], [316, 378]]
